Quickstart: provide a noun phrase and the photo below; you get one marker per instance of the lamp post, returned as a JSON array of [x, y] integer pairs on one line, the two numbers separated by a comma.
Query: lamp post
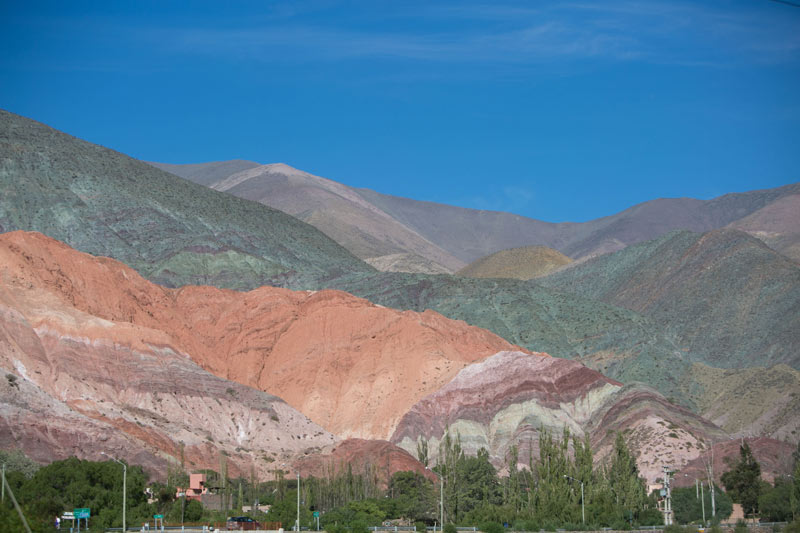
[[583, 508], [699, 491], [124, 487], [298, 501], [441, 497]]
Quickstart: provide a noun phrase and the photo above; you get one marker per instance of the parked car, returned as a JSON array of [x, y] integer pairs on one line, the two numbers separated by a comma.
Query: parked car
[[242, 523]]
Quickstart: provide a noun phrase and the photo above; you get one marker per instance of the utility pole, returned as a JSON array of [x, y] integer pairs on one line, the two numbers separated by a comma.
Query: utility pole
[[124, 488], [703, 502], [667, 498], [298, 501], [441, 502], [710, 473]]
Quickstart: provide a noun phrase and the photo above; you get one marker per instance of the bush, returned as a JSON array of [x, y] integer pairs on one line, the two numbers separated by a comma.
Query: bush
[[741, 526], [491, 527], [525, 525], [449, 528], [359, 526], [335, 528], [421, 526], [792, 527]]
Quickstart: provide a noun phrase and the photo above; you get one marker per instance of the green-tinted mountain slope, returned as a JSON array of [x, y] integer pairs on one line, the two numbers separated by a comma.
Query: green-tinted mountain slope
[[727, 296], [172, 231], [618, 342]]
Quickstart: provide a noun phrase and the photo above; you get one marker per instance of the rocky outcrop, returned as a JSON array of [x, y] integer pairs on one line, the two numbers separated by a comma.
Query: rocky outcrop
[[351, 366], [378, 458], [508, 398], [76, 383]]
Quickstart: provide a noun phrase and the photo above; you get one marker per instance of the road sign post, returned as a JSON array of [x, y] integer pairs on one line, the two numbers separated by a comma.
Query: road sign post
[[82, 513]]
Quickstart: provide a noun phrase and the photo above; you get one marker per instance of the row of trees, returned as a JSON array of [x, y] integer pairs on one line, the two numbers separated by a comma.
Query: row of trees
[[548, 492], [545, 495]]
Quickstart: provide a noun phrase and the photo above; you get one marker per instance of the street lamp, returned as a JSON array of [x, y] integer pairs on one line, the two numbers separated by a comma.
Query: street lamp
[[124, 487], [583, 509], [701, 496], [298, 501], [441, 497]]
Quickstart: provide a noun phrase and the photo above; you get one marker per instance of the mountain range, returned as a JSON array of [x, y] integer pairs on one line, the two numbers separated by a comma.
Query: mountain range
[[103, 359], [693, 332], [373, 225]]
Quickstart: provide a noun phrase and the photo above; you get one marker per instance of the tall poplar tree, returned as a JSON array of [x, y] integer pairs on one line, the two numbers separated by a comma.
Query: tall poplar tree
[[743, 480]]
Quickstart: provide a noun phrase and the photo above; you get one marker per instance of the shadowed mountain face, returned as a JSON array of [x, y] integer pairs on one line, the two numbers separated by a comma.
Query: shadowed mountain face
[[726, 296], [372, 225], [171, 230]]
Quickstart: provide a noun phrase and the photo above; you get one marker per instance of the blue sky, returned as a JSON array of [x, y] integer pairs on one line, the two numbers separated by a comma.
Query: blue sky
[[553, 110]]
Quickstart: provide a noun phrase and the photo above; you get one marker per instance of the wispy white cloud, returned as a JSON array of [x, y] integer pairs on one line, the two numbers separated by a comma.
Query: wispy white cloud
[[661, 32]]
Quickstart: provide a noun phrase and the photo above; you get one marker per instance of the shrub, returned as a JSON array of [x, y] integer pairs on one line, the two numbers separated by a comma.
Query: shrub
[[336, 528], [792, 527], [359, 526], [491, 527], [741, 526], [420, 526], [449, 528]]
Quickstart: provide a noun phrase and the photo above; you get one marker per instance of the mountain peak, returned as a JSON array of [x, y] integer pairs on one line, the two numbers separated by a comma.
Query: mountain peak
[[283, 168]]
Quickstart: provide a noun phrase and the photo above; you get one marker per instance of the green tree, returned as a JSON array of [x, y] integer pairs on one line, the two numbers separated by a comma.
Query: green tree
[[775, 502], [555, 498], [478, 483], [689, 508], [627, 488], [450, 455], [413, 494], [284, 511], [743, 480]]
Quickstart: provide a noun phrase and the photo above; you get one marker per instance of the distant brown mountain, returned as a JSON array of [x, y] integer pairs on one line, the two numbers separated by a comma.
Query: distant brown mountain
[[777, 224], [470, 234], [207, 173], [523, 263], [337, 210], [372, 225]]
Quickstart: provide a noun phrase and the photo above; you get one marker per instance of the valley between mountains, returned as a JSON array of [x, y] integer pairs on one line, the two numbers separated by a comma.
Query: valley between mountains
[[280, 318]]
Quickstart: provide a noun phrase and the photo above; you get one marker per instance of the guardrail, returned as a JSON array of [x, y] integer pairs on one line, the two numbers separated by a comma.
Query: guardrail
[[192, 529]]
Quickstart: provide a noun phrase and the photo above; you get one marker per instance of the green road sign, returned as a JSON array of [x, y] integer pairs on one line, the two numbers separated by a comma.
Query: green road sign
[[316, 514], [81, 513], [159, 516]]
